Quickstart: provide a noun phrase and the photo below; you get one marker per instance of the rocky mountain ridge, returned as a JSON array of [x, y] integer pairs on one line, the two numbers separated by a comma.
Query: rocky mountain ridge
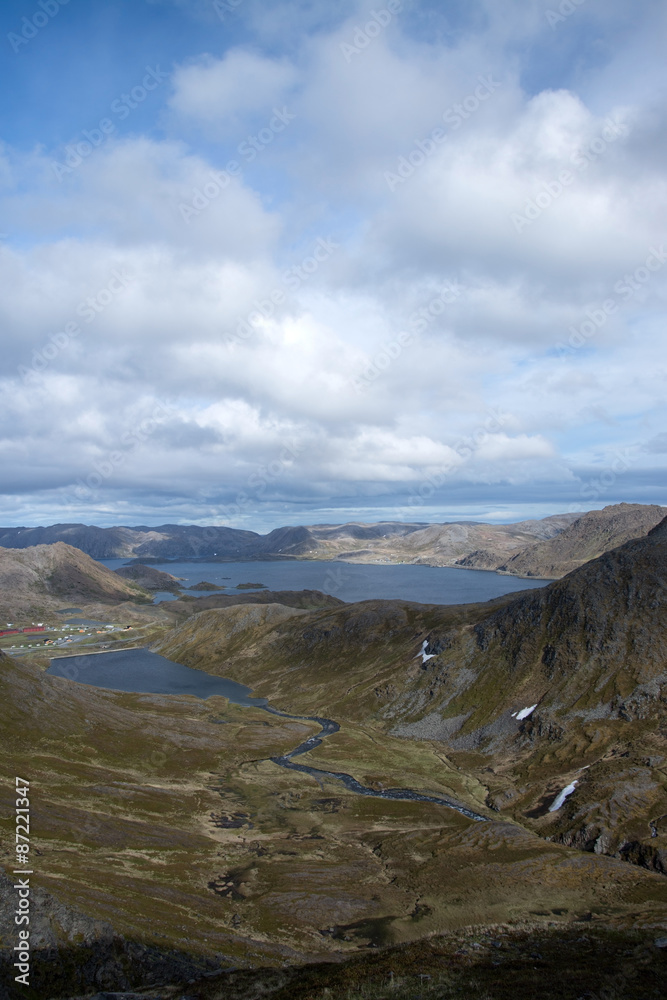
[[588, 537]]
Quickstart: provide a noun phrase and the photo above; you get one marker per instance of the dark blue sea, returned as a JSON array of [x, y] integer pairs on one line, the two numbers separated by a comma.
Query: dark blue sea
[[347, 581]]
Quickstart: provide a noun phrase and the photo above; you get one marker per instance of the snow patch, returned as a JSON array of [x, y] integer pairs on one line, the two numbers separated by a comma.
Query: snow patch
[[525, 712], [560, 798], [424, 655]]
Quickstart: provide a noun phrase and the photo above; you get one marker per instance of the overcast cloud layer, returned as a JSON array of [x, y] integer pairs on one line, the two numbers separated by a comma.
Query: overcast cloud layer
[[268, 265]]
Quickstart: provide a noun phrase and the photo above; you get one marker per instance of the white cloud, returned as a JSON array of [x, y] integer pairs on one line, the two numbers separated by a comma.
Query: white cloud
[[501, 448], [492, 196], [492, 346], [220, 94]]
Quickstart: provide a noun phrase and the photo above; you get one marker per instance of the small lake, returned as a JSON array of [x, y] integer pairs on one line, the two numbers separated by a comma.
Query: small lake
[[143, 672], [347, 581]]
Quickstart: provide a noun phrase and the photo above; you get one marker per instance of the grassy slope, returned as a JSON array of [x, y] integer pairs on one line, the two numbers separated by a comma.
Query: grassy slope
[[37, 581], [133, 797]]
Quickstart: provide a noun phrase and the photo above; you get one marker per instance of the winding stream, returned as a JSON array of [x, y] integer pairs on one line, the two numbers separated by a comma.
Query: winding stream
[[328, 728], [142, 672]]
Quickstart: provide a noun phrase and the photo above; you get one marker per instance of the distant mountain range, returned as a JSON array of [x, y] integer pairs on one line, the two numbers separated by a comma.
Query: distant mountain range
[[546, 549]]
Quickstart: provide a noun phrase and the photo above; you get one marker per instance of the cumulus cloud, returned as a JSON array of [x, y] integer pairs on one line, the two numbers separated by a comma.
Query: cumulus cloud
[[367, 304], [501, 448], [222, 94]]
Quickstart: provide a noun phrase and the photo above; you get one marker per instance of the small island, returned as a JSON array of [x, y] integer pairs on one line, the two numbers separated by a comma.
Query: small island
[[205, 585], [252, 586]]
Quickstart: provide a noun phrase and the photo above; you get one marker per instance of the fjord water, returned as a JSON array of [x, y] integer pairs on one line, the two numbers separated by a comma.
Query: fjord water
[[139, 670], [347, 581]]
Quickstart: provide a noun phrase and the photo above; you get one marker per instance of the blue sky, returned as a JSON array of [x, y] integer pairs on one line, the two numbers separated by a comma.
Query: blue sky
[[289, 263]]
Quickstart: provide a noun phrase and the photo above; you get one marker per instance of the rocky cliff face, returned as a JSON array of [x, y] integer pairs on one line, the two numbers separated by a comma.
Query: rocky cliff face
[[587, 538], [565, 687], [593, 641]]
